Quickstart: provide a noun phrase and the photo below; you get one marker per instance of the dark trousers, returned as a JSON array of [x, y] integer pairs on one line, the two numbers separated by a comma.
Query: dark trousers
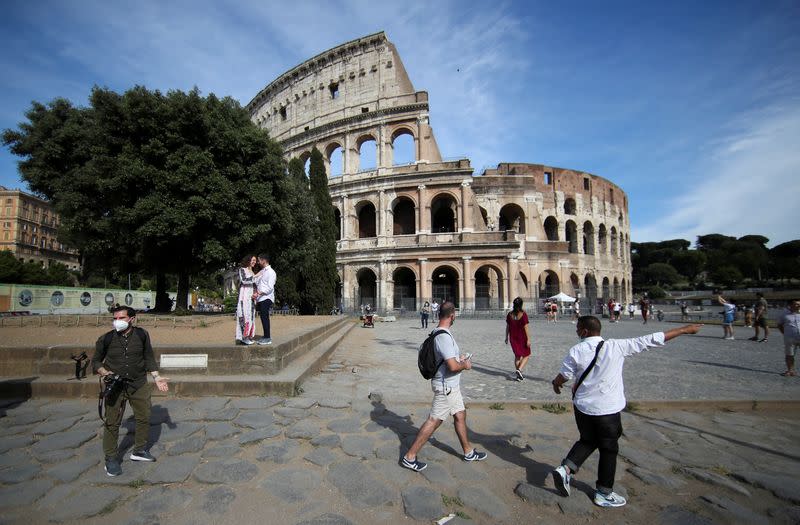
[[139, 400], [601, 433], [424, 320], [263, 308]]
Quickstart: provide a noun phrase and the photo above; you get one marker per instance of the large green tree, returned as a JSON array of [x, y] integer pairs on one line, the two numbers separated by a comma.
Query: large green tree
[[323, 269], [170, 183]]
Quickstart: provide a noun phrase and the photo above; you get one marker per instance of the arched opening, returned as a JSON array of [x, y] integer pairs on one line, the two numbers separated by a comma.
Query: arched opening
[[606, 290], [602, 239], [588, 238], [590, 290], [403, 214], [575, 282], [367, 153], [335, 155], [305, 158], [512, 218], [622, 246], [524, 289], [615, 292], [405, 289], [488, 288], [548, 284], [625, 297], [613, 241], [551, 228], [485, 217], [366, 220], [403, 149], [569, 206], [445, 285], [443, 214], [367, 288], [337, 216], [571, 234]]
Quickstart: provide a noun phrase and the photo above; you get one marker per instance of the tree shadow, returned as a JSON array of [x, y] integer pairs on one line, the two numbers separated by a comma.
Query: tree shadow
[[14, 392], [733, 367]]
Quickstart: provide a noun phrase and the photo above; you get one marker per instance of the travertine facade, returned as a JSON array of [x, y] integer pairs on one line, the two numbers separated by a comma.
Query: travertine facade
[[430, 229]]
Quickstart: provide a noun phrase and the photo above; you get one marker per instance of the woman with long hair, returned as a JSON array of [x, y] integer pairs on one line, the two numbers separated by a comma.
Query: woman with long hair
[[245, 308], [424, 313], [518, 333]]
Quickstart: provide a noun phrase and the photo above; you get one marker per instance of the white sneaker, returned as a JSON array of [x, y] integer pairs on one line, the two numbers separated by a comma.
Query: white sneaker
[[561, 480], [608, 500], [248, 341]]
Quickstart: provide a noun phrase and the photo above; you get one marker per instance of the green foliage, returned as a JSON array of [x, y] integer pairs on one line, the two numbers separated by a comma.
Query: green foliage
[[13, 270], [554, 408], [727, 276], [655, 292], [660, 274], [321, 276], [449, 501], [497, 406]]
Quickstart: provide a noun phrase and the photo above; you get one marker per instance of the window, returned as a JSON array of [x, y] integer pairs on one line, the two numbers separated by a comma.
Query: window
[[364, 110], [548, 178], [585, 183], [612, 195], [334, 89], [283, 113]]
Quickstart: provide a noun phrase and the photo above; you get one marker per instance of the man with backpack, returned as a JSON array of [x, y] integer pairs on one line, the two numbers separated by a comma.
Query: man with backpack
[[598, 396], [124, 357], [441, 349]]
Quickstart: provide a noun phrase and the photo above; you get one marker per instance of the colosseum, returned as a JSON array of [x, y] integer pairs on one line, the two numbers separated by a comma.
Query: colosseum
[[414, 229]]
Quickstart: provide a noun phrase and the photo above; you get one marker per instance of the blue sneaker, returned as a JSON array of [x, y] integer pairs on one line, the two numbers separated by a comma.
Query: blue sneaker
[[113, 467], [413, 465], [475, 455], [141, 455]]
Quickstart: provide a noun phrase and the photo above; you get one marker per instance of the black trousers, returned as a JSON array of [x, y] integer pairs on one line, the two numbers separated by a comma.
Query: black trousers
[[597, 433], [263, 308]]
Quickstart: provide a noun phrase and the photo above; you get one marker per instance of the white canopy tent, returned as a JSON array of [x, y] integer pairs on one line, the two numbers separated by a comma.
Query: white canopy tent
[[562, 298]]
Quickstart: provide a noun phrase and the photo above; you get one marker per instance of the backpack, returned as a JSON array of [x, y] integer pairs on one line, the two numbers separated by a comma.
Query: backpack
[[426, 359]]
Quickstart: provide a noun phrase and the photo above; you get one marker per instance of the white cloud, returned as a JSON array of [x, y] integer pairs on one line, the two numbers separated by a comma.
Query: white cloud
[[750, 183]]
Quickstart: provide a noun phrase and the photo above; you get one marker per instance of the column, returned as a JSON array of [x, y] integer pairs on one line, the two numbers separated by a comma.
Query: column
[[345, 217], [422, 223], [379, 153], [468, 299], [382, 213], [465, 225], [425, 291], [512, 279], [382, 276]]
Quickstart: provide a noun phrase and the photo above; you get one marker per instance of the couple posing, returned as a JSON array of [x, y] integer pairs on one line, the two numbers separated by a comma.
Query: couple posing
[[256, 293]]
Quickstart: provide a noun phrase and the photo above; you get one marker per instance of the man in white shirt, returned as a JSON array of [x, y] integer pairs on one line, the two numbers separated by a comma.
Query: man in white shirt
[[789, 325], [447, 399], [598, 400], [265, 287]]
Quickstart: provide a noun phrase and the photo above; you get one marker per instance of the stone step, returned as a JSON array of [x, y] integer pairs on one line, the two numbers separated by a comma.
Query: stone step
[[314, 356]]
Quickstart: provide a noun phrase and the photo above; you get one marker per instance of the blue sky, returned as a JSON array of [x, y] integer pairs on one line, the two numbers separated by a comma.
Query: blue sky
[[693, 108]]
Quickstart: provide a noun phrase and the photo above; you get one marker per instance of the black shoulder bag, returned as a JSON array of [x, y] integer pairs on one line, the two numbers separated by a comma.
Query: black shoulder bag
[[588, 368]]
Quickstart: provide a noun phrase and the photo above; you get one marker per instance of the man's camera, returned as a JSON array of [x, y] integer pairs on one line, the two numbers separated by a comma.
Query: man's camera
[[112, 387]]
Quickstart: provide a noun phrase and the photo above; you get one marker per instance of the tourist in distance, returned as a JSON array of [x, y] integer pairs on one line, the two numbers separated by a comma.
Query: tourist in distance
[[435, 309], [631, 309], [644, 305], [554, 311], [684, 312], [576, 311], [424, 313], [789, 325], [518, 333], [265, 296], [617, 311], [447, 400], [598, 398], [760, 320], [245, 308], [126, 352], [728, 315]]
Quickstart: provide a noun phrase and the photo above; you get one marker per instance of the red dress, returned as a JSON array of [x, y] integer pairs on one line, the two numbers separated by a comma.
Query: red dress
[[517, 336]]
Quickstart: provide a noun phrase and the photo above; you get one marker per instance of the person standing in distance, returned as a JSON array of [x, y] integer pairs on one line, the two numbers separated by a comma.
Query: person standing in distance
[[761, 318], [126, 351], [265, 288], [447, 398], [598, 398], [789, 325]]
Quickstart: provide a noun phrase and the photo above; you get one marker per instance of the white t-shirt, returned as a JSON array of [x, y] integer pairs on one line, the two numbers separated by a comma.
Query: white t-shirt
[[791, 326], [265, 284], [602, 392], [446, 348]]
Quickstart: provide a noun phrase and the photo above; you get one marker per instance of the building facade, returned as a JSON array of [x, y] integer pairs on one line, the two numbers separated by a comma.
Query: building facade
[[426, 228], [28, 227]]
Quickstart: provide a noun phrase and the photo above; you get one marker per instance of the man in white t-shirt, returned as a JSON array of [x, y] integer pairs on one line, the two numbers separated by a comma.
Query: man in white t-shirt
[[447, 400], [435, 309], [598, 401], [789, 325], [265, 286]]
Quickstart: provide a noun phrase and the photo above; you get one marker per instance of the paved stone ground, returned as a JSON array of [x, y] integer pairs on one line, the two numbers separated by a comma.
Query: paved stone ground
[[330, 455]]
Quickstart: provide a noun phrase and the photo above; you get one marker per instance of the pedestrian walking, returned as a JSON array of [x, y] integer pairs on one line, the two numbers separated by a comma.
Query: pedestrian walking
[[728, 315], [789, 325], [760, 320], [598, 396], [518, 333], [447, 399], [424, 313], [644, 305]]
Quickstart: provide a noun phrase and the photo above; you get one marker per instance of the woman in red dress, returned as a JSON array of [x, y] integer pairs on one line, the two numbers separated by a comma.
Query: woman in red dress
[[519, 335]]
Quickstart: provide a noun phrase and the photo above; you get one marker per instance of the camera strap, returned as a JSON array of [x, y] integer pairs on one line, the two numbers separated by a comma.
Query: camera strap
[[102, 399], [588, 368]]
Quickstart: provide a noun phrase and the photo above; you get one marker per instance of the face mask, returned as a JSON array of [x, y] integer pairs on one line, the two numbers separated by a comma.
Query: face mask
[[120, 325]]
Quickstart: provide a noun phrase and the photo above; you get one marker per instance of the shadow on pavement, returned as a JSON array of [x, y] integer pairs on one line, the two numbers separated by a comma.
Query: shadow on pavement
[[734, 367], [159, 416]]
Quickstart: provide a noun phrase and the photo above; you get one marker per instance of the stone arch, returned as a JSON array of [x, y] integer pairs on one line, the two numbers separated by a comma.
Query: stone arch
[[606, 290], [444, 282], [524, 287], [614, 240], [575, 282], [512, 217], [405, 288], [625, 297], [548, 284], [602, 239], [367, 293], [488, 287], [615, 290], [590, 291], [571, 236], [485, 217], [404, 148], [367, 219], [305, 158], [551, 228], [570, 207], [334, 154], [403, 216], [337, 216], [367, 152], [588, 238], [444, 213]]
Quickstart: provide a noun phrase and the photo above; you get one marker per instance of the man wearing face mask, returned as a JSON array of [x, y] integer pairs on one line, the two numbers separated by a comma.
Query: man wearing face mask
[[126, 352], [598, 396]]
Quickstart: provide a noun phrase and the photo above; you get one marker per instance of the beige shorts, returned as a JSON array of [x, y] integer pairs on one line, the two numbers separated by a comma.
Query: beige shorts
[[791, 347], [446, 403]]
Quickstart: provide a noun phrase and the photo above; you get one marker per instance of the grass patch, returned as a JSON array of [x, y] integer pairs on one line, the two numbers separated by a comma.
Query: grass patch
[[108, 509], [633, 407], [534, 407], [136, 483], [202, 324], [452, 501], [497, 406], [554, 408], [755, 405], [721, 470], [298, 390], [463, 515]]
